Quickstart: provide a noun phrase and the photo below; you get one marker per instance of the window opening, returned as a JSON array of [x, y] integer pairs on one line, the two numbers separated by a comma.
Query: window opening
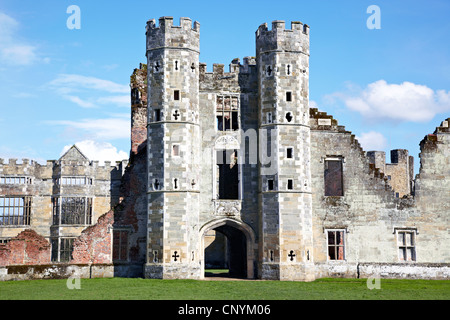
[[227, 113], [120, 245], [406, 245], [227, 174], [288, 117], [335, 245], [157, 114], [288, 96], [290, 184], [333, 178], [289, 153], [15, 211]]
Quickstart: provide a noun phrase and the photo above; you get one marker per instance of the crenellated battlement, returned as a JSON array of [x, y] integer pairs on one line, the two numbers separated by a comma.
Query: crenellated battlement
[[166, 35], [239, 78], [295, 39], [235, 67], [26, 168], [32, 168], [166, 23], [280, 25], [13, 162]]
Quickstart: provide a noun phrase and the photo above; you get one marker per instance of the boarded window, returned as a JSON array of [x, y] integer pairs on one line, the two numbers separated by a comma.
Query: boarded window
[[335, 245], [333, 178], [120, 245], [406, 245]]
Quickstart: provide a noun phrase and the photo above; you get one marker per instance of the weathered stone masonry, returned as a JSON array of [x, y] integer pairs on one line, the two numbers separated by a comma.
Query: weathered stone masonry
[[234, 162]]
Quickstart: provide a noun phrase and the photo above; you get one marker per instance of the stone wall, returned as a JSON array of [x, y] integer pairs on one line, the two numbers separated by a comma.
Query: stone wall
[[369, 213]]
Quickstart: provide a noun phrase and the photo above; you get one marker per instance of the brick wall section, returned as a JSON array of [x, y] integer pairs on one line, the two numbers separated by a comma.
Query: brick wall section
[[131, 213], [27, 248], [94, 244]]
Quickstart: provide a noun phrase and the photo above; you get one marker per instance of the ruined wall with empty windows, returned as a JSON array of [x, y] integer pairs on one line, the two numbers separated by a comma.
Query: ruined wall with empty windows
[[57, 200], [361, 226]]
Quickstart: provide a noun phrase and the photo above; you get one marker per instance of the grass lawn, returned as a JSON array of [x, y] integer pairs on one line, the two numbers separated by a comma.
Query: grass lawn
[[150, 289]]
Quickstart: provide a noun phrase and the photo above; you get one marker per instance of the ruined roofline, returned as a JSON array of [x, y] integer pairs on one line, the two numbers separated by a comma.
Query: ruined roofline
[[321, 121], [444, 127]]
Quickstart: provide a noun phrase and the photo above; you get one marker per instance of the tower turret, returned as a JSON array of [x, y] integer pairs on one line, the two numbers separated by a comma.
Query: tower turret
[[173, 148], [282, 56]]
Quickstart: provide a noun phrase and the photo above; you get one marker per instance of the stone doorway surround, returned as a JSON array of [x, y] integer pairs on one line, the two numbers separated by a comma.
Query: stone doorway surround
[[237, 225]]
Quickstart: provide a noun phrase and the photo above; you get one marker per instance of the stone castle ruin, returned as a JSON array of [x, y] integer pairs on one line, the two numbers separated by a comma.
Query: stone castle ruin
[[229, 169]]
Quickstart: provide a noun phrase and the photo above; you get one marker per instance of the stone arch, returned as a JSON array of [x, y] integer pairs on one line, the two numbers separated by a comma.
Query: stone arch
[[234, 228]]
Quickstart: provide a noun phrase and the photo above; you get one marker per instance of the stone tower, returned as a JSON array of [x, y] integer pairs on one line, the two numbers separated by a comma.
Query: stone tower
[[285, 201], [173, 149]]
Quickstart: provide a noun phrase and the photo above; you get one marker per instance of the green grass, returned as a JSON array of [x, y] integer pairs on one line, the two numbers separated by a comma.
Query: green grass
[[142, 289]]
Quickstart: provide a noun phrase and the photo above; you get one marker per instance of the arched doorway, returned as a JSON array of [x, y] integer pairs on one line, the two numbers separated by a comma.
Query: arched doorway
[[237, 245]]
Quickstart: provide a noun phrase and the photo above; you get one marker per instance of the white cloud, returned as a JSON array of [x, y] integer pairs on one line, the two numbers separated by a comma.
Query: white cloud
[[121, 101], [15, 52], [313, 104], [99, 151], [397, 102], [89, 92], [74, 82], [372, 141], [118, 127], [8, 26], [82, 103]]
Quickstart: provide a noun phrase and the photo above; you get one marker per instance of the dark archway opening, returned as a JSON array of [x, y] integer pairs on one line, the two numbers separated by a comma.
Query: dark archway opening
[[226, 254]]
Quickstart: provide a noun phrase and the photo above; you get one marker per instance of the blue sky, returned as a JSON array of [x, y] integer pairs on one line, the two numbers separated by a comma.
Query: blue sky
[[58, 86]]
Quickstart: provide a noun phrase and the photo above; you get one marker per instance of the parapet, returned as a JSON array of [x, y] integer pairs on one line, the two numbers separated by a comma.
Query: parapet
[[167, 35], [279, 38], [280, 25], [166, 23], [26, 167], [239, 78]]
